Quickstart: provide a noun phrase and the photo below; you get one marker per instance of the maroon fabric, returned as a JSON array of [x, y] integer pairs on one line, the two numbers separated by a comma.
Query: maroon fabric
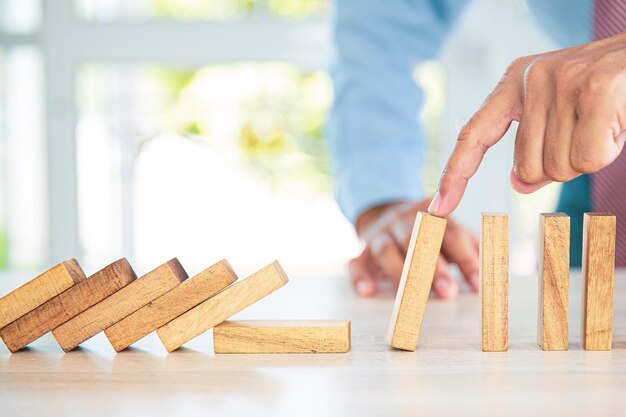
[[608, 186]]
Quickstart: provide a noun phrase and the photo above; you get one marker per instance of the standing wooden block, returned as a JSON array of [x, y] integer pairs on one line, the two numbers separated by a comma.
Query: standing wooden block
[[170, 305], [553, 281], [119, 305], [39, 290], [216, 309], [416, 280], [282, 336], [597, 270], [66, 305], [494, 273]]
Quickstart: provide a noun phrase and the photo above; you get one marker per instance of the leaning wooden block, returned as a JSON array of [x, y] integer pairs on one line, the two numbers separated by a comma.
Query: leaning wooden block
[[170, 305], [597, 271], [119, 305], [553, 281], [282, 336], [416, 280], [494, 273], [66, 305], [216, 309], [39, 290]]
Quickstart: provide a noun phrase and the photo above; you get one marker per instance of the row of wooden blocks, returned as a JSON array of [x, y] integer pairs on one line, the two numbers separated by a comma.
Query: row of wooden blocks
[[75, 308], [554, 252]]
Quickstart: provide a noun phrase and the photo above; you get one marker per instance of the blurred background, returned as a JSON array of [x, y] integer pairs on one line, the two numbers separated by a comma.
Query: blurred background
[[195, 128]]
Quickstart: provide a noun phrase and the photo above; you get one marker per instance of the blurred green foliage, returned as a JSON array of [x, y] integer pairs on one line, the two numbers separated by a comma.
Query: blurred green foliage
[[208, 10], [273, 113]]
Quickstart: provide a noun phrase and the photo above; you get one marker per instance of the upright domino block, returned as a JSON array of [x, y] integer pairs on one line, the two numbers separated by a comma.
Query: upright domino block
[[66, 305], [494, 273], [416, 280], [170, 305], [553, 281], [597, 270], [119, 305], [39, 290], [282, 336], [216, 309]]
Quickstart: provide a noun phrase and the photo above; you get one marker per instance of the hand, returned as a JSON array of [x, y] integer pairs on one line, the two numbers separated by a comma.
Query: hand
[[387, 230], [571, 108]]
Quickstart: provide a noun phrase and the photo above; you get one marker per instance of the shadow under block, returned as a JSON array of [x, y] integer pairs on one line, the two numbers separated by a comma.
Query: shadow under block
[[282, 336], [597, 272], [554, 231], [416, 280], [39, 290], [119, 305], [226, 303], [170, 305], [494, 274], [66, 305]]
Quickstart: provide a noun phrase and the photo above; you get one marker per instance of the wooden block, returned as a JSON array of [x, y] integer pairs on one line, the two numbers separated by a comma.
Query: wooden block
[[119, 305], [170, 305], [282, 336], [66, 305], [215, 310], [553, 281], [39, 290], [494, 273], [416, 280], [597, 271]]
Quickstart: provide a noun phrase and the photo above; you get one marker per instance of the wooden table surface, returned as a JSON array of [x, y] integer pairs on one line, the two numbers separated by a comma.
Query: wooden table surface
[[447, 375]]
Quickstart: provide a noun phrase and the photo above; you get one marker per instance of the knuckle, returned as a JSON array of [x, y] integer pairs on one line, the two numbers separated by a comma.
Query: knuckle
[[537, 73], [598, 83], [528, 174], [557, 172], [588, 164]]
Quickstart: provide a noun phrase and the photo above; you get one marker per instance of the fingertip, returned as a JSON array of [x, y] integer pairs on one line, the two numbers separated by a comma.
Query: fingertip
[[446, 288], [365, 287], [474, 281], [523, 187]]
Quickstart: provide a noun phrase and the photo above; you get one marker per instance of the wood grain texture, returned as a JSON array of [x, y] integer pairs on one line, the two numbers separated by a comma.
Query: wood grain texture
[[215, 310], [553, 285], [494, 274], [416, 281], [170, 305], [282, 336], [119, 305], [66, 305], [597, 272], [39, 290]]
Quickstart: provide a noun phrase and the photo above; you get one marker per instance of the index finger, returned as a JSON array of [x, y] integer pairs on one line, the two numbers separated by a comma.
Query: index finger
[[482, 131]]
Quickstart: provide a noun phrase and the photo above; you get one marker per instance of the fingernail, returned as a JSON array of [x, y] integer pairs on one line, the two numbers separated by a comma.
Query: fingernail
[[365, 288], [445, 288], [442, 286], [434, 204], [361, 287], [474, 280]]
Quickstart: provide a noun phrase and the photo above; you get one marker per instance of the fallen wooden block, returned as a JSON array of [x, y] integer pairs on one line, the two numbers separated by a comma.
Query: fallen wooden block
[[39, 290], [494, 272], [416, 280], [597, 270], [170, 305], [282, 336], [228, 302], [66, 305], [554, 233], [119, 305]]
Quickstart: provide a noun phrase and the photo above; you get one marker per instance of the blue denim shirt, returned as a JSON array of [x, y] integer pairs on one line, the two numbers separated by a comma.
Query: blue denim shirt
[[376, 143]]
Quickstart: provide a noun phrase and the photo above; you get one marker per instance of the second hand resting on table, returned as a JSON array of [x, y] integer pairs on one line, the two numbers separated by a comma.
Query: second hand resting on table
[[571, 109]]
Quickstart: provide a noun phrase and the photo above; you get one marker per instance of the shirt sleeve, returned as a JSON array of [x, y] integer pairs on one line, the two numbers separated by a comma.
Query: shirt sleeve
[[375, 140]]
